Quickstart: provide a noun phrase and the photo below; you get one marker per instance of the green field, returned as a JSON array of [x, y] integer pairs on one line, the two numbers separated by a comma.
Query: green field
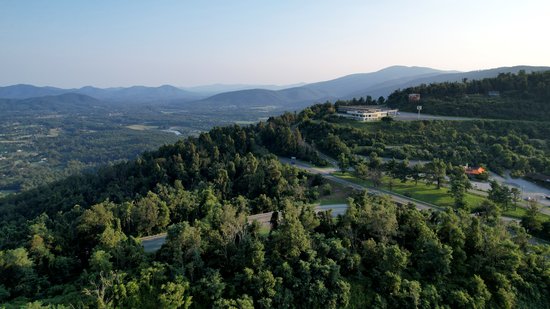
[[430, 194], [421, 191], [141, 127]]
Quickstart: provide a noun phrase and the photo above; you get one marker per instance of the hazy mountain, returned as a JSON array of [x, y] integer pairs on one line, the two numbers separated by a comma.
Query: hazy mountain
[[454, 77], [387, 87], [22, 91], [220, 88], [375, 84], [297, 97], [356, 82], [138, 94], [63, 103], [287, 98]]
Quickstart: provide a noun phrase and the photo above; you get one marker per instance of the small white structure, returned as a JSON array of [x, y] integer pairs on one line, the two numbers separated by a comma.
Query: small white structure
[[366, 113]]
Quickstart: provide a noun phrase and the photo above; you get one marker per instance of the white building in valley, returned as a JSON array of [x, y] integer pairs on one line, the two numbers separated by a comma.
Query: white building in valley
[[366, 112]]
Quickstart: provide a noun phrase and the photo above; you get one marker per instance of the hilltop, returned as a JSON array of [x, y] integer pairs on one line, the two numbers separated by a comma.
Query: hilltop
[[75, 241], [507, 96], [62, 103], [273, 98]]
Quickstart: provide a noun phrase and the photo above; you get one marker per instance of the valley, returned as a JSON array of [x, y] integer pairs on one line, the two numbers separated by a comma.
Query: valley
[[274, 154], [231, 196], [37, 147]]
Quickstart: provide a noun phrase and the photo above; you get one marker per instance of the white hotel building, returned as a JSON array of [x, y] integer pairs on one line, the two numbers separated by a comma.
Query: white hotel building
[[366, 113]]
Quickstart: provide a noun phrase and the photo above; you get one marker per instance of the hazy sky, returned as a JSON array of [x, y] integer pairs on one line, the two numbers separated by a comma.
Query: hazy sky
[[184, 43]]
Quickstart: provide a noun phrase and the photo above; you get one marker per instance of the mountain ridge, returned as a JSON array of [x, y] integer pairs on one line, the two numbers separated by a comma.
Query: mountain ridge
[[116, 94], [62, 103], [375, 84]]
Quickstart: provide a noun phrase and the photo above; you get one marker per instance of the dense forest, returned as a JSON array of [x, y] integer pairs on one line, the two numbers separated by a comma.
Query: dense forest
[[74, 242], [522, 96]]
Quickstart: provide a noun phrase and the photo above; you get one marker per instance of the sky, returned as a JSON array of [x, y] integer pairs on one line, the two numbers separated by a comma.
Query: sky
[[67, 43]]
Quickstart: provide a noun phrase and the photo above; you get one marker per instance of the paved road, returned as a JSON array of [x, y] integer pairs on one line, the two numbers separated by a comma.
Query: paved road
[[414, 116], [264, 218], [326, 173], [153, 243], [528, 189], [337, 209]]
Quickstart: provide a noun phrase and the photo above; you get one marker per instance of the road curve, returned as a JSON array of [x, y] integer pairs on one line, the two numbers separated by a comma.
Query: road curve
[[326, 173], [154, 242]]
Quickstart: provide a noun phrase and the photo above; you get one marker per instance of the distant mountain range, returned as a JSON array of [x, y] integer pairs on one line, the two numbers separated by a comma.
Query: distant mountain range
[[298, 97], [62, 103], [387, 87], [375, 84], [129, 94], [219, 88]]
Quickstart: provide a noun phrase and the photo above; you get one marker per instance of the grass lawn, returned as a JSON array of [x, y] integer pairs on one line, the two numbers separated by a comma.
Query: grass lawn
[[430, 194], [520, 212], [421, 191], [350, 177], [515, 213], [141, 127]]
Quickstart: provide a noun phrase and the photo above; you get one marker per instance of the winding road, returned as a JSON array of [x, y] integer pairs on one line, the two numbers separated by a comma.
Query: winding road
[[326, 173], [153, 243]]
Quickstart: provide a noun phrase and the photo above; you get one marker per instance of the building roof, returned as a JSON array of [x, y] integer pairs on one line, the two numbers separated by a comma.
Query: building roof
[[474, 170]]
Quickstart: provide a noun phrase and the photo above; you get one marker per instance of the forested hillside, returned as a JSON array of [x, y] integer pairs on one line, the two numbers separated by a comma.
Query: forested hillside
[[507, 96], [74, 242], [522, 147]]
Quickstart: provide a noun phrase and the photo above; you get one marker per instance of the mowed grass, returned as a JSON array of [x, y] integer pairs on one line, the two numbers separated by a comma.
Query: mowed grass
[[519, 212], [422, 191], [430, 194]]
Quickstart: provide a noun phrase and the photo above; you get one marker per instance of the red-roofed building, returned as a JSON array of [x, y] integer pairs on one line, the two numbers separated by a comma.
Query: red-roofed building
[[474, 171]]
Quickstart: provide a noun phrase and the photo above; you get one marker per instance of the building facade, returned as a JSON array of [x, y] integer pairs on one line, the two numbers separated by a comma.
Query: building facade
[[366, 113]]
